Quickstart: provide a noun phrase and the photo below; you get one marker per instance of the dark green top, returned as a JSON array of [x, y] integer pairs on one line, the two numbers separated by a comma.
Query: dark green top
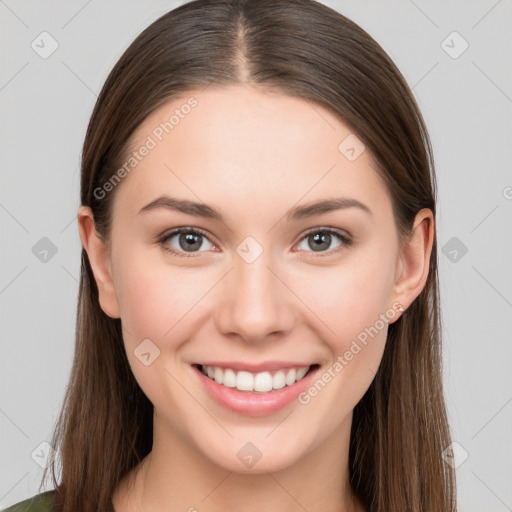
[[39, 503]]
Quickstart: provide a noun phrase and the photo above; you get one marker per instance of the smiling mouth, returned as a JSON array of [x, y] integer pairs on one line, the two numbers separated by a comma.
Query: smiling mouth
[[261, 382]]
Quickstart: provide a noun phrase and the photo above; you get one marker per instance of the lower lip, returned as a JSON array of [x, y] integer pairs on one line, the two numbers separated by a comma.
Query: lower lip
[[252, 403]]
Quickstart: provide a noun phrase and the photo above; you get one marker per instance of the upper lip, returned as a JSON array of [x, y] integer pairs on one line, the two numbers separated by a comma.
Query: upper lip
[[256, 368]]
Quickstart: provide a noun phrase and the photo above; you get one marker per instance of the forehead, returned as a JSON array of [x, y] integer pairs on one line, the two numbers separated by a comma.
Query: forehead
[[240, 141]]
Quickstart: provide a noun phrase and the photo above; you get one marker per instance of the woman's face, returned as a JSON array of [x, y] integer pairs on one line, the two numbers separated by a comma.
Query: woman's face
[[265, 282]]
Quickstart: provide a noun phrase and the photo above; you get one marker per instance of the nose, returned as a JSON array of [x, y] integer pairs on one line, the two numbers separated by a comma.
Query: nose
[[255, 302]]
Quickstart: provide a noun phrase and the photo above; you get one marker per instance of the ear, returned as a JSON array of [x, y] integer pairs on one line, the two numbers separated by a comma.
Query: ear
[[413, 264], [98, 252]]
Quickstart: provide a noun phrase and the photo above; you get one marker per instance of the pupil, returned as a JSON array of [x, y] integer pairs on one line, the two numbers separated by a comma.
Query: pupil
[[322, 238], [190, 241]]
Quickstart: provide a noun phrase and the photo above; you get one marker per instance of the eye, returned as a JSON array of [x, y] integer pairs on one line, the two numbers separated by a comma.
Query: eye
[[184, 241], [320, 240], [189, 240]]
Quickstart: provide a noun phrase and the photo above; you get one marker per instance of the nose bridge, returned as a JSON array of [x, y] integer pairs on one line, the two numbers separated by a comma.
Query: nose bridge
[[255, 304]]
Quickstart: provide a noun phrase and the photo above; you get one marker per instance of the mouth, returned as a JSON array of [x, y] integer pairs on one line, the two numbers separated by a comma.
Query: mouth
[[254, 390], [256, 383]]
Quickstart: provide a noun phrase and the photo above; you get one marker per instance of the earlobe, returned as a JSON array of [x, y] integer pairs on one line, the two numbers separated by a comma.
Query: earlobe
[[99, 258], [414, 259]]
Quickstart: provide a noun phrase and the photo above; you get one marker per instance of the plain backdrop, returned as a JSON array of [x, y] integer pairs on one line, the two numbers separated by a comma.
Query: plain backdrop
[[456, 57]]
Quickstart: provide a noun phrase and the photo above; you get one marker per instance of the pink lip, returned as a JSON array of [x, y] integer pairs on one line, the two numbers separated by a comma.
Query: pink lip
[[267, 366], [253, 403]]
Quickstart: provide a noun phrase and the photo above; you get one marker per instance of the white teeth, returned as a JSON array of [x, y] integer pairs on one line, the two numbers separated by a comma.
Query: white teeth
[[278, 380], [244, 381], [301, 372], [229, 378], [262, 382], [290, 377]]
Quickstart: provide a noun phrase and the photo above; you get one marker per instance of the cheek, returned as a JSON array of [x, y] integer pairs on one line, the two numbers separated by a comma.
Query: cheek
[[159, 304], [350, 297], [156, 300], [351, 310]]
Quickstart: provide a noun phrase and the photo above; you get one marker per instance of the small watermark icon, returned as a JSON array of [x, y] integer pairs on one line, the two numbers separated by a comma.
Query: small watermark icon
[[44, 250], [455, 455], [454, 45], [249, 249], [351, 147], [146, 352], [42, 453], [454, 249], [44, 45], [249, 454]]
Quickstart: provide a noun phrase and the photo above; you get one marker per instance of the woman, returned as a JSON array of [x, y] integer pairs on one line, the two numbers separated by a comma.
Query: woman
[[258, 323]]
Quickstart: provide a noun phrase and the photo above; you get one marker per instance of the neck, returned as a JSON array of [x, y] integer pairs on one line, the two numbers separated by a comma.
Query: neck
[[176, 476]]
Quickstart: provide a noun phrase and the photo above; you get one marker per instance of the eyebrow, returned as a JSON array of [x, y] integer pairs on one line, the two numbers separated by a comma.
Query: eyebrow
[[299, 212]]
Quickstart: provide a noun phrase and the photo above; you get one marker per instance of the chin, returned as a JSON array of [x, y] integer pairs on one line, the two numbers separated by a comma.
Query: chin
[[257, 456]]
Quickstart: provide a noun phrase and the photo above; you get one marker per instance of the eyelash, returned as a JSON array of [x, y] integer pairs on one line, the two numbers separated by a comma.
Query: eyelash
[[346, 241]]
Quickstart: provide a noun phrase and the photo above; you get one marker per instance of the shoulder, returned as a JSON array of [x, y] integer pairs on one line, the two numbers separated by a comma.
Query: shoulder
[[39, 503]]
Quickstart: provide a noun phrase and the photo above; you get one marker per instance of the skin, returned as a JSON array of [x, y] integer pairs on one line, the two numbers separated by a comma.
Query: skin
[[252, 155]]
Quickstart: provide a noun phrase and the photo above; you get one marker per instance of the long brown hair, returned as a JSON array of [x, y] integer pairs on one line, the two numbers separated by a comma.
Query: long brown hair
[[304, 49]]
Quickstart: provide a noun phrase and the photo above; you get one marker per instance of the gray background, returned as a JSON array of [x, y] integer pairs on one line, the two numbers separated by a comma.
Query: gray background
[[466, 102]]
